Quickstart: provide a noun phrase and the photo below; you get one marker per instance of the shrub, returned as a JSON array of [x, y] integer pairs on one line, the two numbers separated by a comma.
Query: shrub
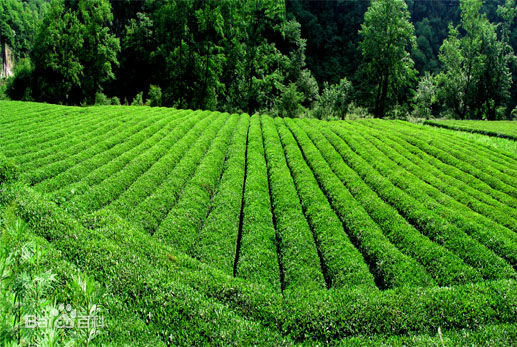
[[257, 260], [193, 205], [390, 267], [101, 99], [342, 263], [217, 237], [412, 199], [115, 101], [308, 85], [290, 103], [357, 112], [155, 96], [32, 281], [19, 87], [299, 258], [138, 100], [334, 101], [398, 112]]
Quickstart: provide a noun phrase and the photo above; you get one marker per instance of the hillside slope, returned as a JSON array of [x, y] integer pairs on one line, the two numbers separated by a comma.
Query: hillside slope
[[217, 228]]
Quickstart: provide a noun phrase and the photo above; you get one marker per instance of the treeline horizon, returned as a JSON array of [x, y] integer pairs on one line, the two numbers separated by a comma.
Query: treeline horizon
[[321, 59]]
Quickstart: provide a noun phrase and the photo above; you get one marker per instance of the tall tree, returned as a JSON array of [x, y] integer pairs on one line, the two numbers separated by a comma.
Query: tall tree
[[387, 37], [476, 79], [262, 60], [74, 51], [190, 39]]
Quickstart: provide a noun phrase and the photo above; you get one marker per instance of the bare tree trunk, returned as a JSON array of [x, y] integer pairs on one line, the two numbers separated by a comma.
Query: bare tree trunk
[[376, 110]]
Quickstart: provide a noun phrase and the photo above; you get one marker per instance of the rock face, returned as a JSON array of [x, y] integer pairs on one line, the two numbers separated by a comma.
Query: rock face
[[7, 60]]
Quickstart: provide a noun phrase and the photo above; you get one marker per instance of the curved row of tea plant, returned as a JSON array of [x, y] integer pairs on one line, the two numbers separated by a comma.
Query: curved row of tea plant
[[206, 228], [505, 129], [444, 266]]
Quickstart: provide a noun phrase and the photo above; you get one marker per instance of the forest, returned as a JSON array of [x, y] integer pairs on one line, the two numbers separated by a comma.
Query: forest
[[298, 58]]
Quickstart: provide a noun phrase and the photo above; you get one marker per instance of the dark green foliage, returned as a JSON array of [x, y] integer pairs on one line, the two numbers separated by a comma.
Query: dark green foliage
[[137, 42], [18, 24], [387, 37], [115, 101], [20, 86], [331, 30], [475, 80], [267, 55], [424, 98], [74, 52]]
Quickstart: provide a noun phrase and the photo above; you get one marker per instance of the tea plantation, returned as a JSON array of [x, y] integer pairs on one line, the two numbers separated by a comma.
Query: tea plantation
[[207, 228], [503, 129]]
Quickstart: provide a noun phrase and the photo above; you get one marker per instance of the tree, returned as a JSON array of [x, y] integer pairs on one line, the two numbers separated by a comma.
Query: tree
[[263, 62], [191, 41], [135, 71], [74, 51], [387, 37], [18, 22], [476, 79], [500, 51]]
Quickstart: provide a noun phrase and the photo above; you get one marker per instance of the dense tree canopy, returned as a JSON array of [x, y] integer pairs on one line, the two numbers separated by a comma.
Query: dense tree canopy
[[19, 21], [74, 51], [290, 58], [387, 37], [476, 77]]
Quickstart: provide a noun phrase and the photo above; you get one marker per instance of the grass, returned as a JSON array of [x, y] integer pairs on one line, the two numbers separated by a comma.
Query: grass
[[209, 228]]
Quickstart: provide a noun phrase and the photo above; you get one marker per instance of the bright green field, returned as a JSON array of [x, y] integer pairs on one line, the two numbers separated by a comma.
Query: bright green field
[[504, 129], [211, 228]]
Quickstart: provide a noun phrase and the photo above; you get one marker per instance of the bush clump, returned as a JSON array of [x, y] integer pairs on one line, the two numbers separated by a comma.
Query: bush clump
[[155, 96], [101, 99], [138, 100]]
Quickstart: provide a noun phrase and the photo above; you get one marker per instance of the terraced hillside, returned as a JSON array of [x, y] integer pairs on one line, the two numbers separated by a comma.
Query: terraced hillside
[[504, 129], [218, 228]]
